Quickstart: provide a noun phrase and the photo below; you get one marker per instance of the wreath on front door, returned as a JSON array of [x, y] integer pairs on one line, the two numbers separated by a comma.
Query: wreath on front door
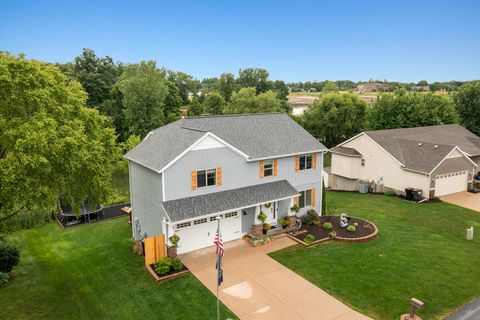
[[268, 205]]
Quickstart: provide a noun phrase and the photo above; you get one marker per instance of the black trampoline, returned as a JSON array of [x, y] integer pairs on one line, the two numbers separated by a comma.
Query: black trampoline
[[86, 214]]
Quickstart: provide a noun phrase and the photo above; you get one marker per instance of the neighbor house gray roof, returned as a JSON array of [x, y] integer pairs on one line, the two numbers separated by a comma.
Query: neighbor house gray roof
[[260, 135], [197, 206], [422, 148], [346, 151]]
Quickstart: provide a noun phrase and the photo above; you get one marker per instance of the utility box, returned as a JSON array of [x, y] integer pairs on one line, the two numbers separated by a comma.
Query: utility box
[[417, 194], [470, 233], [408, 194]]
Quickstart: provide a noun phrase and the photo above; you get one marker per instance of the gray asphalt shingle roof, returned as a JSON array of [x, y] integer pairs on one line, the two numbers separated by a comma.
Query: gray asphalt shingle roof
[[260, 135], [197, 206], [423, 148], [346, 151]]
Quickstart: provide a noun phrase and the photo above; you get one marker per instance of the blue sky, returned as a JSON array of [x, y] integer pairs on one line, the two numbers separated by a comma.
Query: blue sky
[[294, 40]]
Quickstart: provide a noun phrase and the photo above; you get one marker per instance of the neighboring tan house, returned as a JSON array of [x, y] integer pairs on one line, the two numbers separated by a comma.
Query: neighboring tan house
[[439, 160], [186, 173], [370, 87]]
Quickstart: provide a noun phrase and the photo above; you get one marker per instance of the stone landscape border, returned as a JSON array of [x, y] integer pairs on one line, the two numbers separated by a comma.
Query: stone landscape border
[[341, 239]]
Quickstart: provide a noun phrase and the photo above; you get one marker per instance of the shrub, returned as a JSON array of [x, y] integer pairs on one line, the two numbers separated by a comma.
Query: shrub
[[309, 238], [284, 222], [262, 216], [9, 256], [163, 266], [174, 239], [177, 265], [332, 234], [295, 208], [310, 217], [328, 226], [351, 228], [4, 277], [266, 226]]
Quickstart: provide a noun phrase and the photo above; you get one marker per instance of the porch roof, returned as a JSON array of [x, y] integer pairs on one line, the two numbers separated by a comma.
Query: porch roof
[[235, 199]]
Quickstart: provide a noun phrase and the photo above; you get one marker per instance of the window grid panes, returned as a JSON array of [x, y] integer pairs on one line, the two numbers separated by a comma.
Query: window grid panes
[[268, 168], [206, 178], [305, 198], [306, 162]]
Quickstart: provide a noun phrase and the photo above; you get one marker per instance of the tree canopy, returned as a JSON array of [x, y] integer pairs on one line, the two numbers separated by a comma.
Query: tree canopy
[[467, 102], [406, 110], [247, 101], [335, 117], [144, 89], [51, 144]]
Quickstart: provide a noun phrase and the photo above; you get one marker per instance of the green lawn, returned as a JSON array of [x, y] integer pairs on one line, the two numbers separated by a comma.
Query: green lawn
[[420, 252], [90, 272]]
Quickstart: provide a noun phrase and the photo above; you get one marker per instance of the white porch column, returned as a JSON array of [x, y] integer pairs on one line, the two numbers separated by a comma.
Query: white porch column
[[290, 212], [257, 212]]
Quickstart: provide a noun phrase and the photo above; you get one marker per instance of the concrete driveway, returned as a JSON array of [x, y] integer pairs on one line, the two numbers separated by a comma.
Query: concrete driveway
[[464, 199], [258, 287]]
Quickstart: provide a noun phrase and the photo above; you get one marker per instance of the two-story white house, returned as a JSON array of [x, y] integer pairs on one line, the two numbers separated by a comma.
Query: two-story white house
[[186, 173]]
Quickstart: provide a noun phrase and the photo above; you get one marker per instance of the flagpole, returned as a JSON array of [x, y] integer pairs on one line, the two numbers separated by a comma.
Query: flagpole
[[218, 284]]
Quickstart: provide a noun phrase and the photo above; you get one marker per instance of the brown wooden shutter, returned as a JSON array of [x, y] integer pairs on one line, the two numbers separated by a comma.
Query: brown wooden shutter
[[297, 163], [261, 169], [275, 167], [295, 200], [314, 160], [219, 176], [314, 197], [194, 180]]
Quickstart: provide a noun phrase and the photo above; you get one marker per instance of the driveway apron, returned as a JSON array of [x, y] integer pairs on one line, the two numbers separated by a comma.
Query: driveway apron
[[258, 287]]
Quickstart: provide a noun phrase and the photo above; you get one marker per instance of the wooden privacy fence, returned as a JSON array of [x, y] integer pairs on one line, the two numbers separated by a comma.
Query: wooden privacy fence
[[154, 249]]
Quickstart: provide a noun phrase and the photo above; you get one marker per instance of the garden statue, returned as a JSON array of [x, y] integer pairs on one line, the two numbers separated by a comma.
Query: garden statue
[[343, 220]]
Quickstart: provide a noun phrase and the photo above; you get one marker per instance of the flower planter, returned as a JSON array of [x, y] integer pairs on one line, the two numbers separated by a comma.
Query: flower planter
[[172, 252], [291, 221], [158, 278], [257, 229]]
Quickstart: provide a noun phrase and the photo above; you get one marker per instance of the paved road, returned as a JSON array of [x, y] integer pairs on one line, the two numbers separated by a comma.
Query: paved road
[[470, 311]]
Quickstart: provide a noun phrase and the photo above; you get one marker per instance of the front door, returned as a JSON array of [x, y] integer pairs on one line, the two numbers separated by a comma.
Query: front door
[[270, 210]]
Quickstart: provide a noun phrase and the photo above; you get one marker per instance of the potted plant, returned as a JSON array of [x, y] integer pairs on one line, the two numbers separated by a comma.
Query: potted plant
[[293, 219], [284, 222], [257, 228], [172, 250], [266, 227]]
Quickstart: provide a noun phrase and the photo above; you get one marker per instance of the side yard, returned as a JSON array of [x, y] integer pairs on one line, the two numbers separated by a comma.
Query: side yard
[[90, 272], [420, 252]]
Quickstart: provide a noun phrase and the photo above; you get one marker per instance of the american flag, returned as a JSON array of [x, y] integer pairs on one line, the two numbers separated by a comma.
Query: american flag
[[218, 242], [220, 252]]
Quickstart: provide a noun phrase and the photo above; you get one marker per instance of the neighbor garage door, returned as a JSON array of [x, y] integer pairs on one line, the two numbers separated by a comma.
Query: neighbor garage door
[[450, 183], [200, 233]]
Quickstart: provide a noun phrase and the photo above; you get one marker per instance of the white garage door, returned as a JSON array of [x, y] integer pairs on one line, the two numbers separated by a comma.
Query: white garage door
[[200, 233], [450, 183]]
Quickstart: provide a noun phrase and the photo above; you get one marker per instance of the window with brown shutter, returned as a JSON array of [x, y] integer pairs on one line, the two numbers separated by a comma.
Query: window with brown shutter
[[314, 160], [261, 169], [194, 180], [295, 200], [297, 163], [275, 167], [219, 176]]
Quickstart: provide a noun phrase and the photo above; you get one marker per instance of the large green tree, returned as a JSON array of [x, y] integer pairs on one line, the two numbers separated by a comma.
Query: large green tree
[[97, 75], [144, 88], [186, 85], [254, 77], [51, 144], [335, 117], [467, 101], [406, 110], [247, 101], [227, 85], [214, 103]]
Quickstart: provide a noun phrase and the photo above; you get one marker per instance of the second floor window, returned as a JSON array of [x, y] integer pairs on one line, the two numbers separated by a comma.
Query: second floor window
[[268, 168], [305, 162], [206, 178], [305, 198]]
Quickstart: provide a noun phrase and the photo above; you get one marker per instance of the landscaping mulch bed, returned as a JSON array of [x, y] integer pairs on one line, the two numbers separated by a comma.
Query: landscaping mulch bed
[[171, 274], [365, 231], [109, 212]]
